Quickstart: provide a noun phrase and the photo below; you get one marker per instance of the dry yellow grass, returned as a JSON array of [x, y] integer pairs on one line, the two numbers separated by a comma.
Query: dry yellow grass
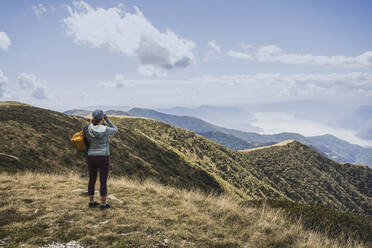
[[40, 209], [10, 103]]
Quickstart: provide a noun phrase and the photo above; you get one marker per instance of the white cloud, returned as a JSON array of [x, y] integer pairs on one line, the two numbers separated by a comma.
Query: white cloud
[[352, 79], [39, 10], [228, 89], [119, 81], [3, 78], [245, 46], [151, 71], [214, 46], [32, 83], [5, 41], [3, 84], [39, 92], [293, 86], [239, 55], [213, 52], [129, 34], [273, 53], [27, 81]]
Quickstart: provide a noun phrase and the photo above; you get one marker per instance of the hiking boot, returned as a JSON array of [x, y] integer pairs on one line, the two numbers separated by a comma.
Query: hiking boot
[[93, 204], [107, 205]]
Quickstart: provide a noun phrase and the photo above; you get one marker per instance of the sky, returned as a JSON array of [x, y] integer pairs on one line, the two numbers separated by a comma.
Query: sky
[[156, 54]]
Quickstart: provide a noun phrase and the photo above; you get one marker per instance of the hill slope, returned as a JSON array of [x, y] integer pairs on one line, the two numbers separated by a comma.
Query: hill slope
[[39, 140], [307, 176], [145, 148], [229, 141], [329, 145], [52, 210], [293, 171]]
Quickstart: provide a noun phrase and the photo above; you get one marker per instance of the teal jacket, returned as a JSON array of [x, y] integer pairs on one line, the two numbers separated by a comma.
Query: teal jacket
[[98, 137]]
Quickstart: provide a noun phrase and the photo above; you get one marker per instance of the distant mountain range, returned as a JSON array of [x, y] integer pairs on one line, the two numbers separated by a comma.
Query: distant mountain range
[[329, 145], [225, 116], [78, 112]]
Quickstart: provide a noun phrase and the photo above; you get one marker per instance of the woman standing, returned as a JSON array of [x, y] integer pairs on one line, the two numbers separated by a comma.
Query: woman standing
[[98, 156]]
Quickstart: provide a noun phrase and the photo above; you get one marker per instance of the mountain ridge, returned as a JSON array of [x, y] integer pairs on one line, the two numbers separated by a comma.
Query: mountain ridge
[[328, 145]]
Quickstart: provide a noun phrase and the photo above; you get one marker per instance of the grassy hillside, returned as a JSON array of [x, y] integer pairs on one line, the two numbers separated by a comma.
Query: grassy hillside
[[334, 224], [230, 141], [53, 210], [292, 171], [38, 139], [308, 177], [329, 145]]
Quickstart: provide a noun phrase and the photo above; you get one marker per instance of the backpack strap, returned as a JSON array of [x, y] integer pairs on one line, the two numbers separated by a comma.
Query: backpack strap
[[85, 137]]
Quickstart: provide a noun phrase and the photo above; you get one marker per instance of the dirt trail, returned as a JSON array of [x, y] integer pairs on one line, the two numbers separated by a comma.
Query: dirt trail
[[283, 143]]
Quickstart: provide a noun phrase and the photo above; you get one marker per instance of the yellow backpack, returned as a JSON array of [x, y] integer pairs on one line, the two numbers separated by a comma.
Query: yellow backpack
[[80, 140]]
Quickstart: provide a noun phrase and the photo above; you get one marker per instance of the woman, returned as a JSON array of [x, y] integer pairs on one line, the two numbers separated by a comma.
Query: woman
[[98, 156]]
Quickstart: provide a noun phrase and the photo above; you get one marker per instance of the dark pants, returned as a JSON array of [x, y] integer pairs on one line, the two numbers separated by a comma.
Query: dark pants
[[96, 163]]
